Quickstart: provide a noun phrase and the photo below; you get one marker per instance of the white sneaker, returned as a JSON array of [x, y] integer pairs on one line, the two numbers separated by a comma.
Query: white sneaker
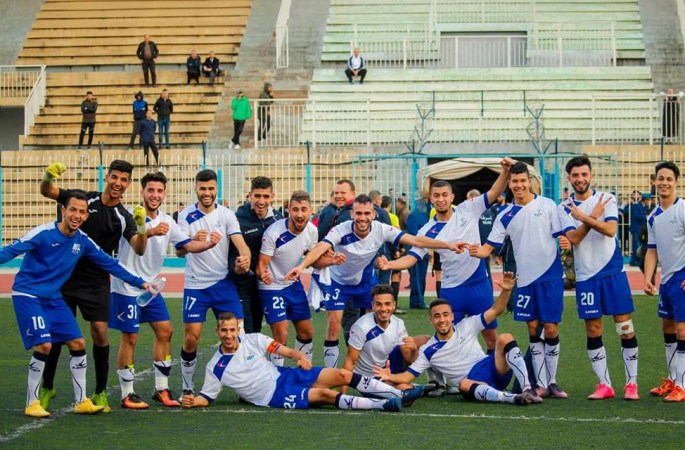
[[237, 147]]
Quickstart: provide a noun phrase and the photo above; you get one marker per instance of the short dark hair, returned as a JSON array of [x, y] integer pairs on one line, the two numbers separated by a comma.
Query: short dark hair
[[157, 176], [348, 182], [120, 166], [578, 161], [224, 316], [442, 184], [382, 289], [300, 196], [386, 201], [438, 302], [373, 195], [261, 183], [89, 92], [519, 168], [363, 199], [668, 165], [77, 194], [205, 175]]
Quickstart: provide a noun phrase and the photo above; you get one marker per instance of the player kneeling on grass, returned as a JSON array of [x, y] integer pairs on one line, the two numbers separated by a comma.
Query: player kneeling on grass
[[455, 352], [51, 253], [379, 336], [241, 364]]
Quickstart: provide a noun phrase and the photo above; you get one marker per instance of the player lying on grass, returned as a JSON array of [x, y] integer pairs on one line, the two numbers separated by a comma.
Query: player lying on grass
[[379, 336], [455, 352], [51, 252], [241, 364]]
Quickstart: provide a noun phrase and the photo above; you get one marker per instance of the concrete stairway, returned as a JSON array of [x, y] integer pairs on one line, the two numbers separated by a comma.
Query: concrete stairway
[[16, 19], [663, 43]]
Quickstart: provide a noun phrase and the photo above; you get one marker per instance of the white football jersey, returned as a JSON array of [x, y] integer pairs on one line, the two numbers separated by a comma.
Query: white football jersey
[[462, 226], [454, 357], [150, 263], [286, 250], [597, 255], [375, 343], [359, 252], [248, 371], [666, 233], [211, 266], [533, 230]]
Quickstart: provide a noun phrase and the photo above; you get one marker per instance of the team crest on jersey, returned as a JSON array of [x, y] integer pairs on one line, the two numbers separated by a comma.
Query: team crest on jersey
[[538, 212], [76, 249], [463, 222], [249, 357]]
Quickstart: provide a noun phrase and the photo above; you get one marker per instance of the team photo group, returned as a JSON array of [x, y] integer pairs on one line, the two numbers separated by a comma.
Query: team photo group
[[253, 265]]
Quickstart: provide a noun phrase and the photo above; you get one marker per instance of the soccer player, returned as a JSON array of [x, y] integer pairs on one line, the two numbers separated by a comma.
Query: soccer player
[[358, 240], [589, 219], [208, 283], [126, 315], [465, 282], [533, 223], [379, 336], [455, 352], [666, 240], [241, 364], [88, 289], [52, 251], [283, 245]]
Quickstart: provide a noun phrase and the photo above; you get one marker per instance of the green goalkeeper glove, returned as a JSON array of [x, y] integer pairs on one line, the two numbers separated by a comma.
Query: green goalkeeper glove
[[54, 171], [139, 218]]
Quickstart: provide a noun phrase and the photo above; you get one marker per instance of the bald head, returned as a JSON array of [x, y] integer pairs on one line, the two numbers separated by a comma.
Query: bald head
[[473, 193]]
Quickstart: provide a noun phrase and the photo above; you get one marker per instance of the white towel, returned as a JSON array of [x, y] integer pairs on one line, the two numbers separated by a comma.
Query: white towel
[[317, 294]]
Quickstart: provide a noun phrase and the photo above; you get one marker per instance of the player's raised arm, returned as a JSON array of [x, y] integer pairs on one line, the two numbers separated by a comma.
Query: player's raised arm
[[313, 255], [426, 242], [111, 265], [290, 353], [242, 262], [507, 284], [500, 184], [53, 172], [402, 263], [593, 220], [263, 272], [480, 251], [139, 240]]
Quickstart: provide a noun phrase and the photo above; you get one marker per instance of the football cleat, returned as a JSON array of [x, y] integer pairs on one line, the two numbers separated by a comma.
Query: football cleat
[[133, 401], [87, 407], [677, 395], [35, 409], [664, 389], [184, 393], [521, 400], [411, 394], [45, 395], [557, 392], [531, 396], [631, 392], [602, 392], [102, 400], [165, 397], [392, 405], [542, 392]]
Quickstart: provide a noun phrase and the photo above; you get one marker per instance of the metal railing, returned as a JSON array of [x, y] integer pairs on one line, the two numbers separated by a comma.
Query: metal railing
[[400, 53], [477, 51], [556, 45], [282, 49], [483, 11], [35, 101], [278, 122], [18, 81]]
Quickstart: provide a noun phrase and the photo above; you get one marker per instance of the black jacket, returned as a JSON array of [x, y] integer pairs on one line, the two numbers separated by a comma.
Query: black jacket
[[88, 109], [163, 108], [331, 216], [213, 64], [193, 65], [153, 49]]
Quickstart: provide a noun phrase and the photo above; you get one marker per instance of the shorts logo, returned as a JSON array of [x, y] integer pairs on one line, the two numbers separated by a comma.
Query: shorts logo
[[76, 249], [55, 244]]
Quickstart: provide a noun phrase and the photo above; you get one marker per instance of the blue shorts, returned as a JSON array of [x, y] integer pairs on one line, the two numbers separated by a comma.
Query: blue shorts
[[485, 371], [337, 296], [540, 300], [42, 321], [292, 387], [672, 298], [125, 314], [286, 304], [608, 295], [470, 300], [220, 297], [396, 359]]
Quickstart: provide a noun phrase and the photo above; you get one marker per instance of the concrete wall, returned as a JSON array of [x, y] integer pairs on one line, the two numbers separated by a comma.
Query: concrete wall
[[16, 19], [11, 126]]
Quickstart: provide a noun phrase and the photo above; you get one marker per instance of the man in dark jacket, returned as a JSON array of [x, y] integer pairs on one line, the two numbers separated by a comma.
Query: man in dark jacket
[[254, 218], [164, 107], [264, 110], [147, 138], [89, 107], [211, 68], [139, 113], [193, 64], [147, 52], [339, 209]]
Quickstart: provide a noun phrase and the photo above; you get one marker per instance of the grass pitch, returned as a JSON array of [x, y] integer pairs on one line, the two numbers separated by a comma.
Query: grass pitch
[[429, 423]]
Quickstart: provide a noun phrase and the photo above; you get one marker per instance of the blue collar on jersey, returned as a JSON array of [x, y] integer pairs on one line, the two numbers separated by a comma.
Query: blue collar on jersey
[[572, 198], [513, 201]]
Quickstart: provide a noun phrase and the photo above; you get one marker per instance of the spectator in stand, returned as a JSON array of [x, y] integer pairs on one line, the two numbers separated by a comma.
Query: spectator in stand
[[147, 52], [147, 138], [241, 113], [193, 67], [164, 107], [264, 111], [671, 116], [356, 66], [211, 68], [181, 206], [89, 107], [139, 113]]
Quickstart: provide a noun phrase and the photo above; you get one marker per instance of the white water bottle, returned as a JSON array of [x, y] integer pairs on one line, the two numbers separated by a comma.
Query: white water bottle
[[151, 292]]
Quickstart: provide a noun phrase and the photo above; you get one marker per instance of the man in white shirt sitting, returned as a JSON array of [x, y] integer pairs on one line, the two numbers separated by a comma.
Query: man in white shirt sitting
[[356, 67]]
